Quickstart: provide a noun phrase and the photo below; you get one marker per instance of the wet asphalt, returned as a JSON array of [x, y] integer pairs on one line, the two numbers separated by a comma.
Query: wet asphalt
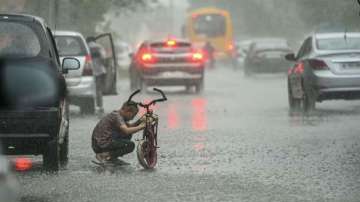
[[234, 142]]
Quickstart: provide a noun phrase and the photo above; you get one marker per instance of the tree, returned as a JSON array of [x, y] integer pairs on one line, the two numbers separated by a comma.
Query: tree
[[77, 15]]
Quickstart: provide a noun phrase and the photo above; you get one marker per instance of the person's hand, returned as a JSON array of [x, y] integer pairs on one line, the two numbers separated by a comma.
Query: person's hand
[[142, 125], [142, 119]]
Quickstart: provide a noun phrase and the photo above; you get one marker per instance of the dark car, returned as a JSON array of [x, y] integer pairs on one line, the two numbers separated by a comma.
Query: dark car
[[34, 117], [327, 67], [167, 63], [267, 56]]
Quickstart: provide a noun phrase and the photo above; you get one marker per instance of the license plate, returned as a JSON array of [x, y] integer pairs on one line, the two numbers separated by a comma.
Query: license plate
[[173, 74], [351, 65]]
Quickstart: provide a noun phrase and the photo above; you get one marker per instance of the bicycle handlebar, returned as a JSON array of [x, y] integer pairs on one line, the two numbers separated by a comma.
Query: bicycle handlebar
[[133, 94], [164, 98]]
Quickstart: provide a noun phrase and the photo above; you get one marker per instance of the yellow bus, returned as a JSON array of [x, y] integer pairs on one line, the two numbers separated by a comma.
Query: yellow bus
[[211, 25]]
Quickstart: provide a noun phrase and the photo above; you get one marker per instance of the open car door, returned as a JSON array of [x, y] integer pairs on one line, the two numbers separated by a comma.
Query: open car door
[[106, 40]]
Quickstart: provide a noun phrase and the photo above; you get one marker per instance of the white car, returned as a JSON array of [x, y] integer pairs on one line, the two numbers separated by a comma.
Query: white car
[[81, 83]]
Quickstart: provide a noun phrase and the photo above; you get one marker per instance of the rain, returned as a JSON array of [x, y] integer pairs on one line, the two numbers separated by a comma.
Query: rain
[[254, 100]]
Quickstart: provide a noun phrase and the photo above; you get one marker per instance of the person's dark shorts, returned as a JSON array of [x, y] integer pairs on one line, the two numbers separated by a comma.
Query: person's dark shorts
[[118, 147]]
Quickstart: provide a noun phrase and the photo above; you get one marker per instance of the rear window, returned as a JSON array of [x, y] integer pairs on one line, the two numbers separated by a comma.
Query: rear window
[[18, 41], [343, 43], [211, 25], [272, 52], [70, 46], [180, 47]]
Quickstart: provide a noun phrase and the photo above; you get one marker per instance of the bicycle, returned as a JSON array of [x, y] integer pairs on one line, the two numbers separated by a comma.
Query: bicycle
[[147, 147]]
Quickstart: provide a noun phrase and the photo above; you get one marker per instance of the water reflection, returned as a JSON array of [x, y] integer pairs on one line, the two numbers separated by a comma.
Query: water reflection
[[198, 120], [173, 117], [200, 147], [199, 116]]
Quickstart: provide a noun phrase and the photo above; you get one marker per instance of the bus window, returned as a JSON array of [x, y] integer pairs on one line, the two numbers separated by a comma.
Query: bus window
[[211, 25]]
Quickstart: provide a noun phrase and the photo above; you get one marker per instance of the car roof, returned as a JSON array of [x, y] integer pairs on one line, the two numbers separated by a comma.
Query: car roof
[[336, 35], [66, 33], [22, 17]]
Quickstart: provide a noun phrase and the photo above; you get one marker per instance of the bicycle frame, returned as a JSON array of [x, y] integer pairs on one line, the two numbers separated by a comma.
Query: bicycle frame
[[147, 147]]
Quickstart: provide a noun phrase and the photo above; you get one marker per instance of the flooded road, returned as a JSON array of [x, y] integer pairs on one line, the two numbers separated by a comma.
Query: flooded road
[[234, 142]]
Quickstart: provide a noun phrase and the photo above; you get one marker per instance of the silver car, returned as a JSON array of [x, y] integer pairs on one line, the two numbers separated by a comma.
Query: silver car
[[327, 67], [81, 83]]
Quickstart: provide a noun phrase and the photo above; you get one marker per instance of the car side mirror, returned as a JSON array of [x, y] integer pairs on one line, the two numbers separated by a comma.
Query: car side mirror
[[290, 57], [70, 64]]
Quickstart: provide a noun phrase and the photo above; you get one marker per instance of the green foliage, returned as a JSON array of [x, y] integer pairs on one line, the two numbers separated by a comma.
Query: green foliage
[[78, 15]]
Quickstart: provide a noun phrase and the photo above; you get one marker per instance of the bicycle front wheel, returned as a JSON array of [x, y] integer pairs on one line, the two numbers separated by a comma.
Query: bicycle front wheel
[[147, 154]]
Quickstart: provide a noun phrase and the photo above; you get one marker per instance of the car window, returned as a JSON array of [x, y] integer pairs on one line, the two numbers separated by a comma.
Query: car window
[[180, 47], [70, 46], [272, 52], [18, 40], [305, 48], [340, 43]]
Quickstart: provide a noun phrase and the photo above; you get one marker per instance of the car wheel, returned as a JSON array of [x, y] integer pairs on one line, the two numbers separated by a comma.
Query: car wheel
[[87, 106], [142, 84], [247, 71], [308, 102], [51, 156], [133, 84], [199, 87], [64, 150], [294, 103]]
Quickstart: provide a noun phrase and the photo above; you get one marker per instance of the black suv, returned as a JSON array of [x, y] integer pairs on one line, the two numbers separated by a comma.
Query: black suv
[[34, 115]]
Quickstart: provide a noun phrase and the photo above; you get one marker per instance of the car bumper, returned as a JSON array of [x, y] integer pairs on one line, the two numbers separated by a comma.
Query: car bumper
[[86, 88], [330, 86], [172, 78]]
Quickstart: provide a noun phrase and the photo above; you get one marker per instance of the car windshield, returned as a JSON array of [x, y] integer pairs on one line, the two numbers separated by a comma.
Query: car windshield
[[340, 43], [18, 40], [70, 46]]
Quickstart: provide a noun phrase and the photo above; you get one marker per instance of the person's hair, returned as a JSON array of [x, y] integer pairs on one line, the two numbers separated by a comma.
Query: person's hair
[[130, 106]]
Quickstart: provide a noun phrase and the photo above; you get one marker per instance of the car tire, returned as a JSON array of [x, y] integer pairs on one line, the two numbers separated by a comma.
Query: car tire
[[134, 79], [51, 156], [199, 87], [64, 150], [142, 84], [247, 71], [87, 106], [308, 102], [294, 104]]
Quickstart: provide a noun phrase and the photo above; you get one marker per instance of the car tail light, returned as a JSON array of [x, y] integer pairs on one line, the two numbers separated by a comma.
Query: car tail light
[[22, 164], [318, 64], [197, 56], [88, 67], [146, 56], [299, 68], [230, 47], [171, 43]]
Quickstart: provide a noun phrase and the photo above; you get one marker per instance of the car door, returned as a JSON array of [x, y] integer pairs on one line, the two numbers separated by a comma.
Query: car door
[[110, 61]]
